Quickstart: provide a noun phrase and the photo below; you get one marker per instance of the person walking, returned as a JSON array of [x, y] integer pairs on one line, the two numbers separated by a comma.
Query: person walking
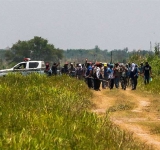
[[104, 66], [128, 66], [97, 77], [111, 77], [105, 76], [147, 73], [134, 75], [141, 69], [79, 72], [124, 77], [117, 75], [89, 75], [72, 70]]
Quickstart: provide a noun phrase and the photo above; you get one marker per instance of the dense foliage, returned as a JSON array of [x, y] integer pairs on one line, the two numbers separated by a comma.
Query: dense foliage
[[96, 54], [39, 112], [36, 49], [154, 62], [39, 49]]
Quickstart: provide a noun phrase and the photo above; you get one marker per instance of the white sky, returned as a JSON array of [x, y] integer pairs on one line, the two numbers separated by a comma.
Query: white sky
[[74, 24]]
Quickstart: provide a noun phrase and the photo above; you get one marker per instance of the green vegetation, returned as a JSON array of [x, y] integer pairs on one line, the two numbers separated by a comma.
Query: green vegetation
[[36, 49], [153, 87], [96, 54], [154, 62], [121, 105], [39, 112]]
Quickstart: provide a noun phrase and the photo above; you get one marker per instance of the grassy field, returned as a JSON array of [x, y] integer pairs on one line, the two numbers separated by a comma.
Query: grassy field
[[53, 113]]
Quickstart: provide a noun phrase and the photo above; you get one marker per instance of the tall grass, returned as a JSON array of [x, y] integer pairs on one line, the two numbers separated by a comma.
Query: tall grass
[[153, 87], [39, 112]]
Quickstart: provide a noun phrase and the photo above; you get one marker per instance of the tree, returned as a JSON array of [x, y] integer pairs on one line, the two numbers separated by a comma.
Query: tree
[[156, 49], [36, 49]]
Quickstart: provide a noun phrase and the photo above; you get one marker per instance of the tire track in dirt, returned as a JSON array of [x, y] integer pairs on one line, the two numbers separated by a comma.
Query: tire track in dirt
[[103, 101]]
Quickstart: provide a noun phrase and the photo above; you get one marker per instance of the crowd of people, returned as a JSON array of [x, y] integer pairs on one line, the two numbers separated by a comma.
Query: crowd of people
[[109, 75]]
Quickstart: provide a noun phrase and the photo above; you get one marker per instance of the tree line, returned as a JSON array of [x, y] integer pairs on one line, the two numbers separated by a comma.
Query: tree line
[[38, 48]]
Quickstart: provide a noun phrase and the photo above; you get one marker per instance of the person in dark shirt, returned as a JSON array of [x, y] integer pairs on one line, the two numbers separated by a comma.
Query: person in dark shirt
[[141, 68], [72, 70], [117, 74], [54, 68], [89, 75], [64, 69], [97, 77], [147, 73], [134, 75]]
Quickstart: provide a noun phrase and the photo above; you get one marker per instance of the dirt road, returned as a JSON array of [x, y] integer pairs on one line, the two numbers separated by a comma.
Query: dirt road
[[131, 111]]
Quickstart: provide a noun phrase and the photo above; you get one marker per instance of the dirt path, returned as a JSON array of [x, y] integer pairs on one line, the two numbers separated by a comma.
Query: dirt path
[[131, 120]]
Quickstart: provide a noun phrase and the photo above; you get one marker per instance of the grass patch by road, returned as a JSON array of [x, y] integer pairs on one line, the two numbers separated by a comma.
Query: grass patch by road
[[39, 112]]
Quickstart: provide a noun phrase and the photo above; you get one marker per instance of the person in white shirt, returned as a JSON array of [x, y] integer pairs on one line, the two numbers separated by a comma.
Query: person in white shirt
[[97, 78]]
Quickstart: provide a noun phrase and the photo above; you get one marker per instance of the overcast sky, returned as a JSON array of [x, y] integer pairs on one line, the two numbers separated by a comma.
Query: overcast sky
[[75, 24]]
